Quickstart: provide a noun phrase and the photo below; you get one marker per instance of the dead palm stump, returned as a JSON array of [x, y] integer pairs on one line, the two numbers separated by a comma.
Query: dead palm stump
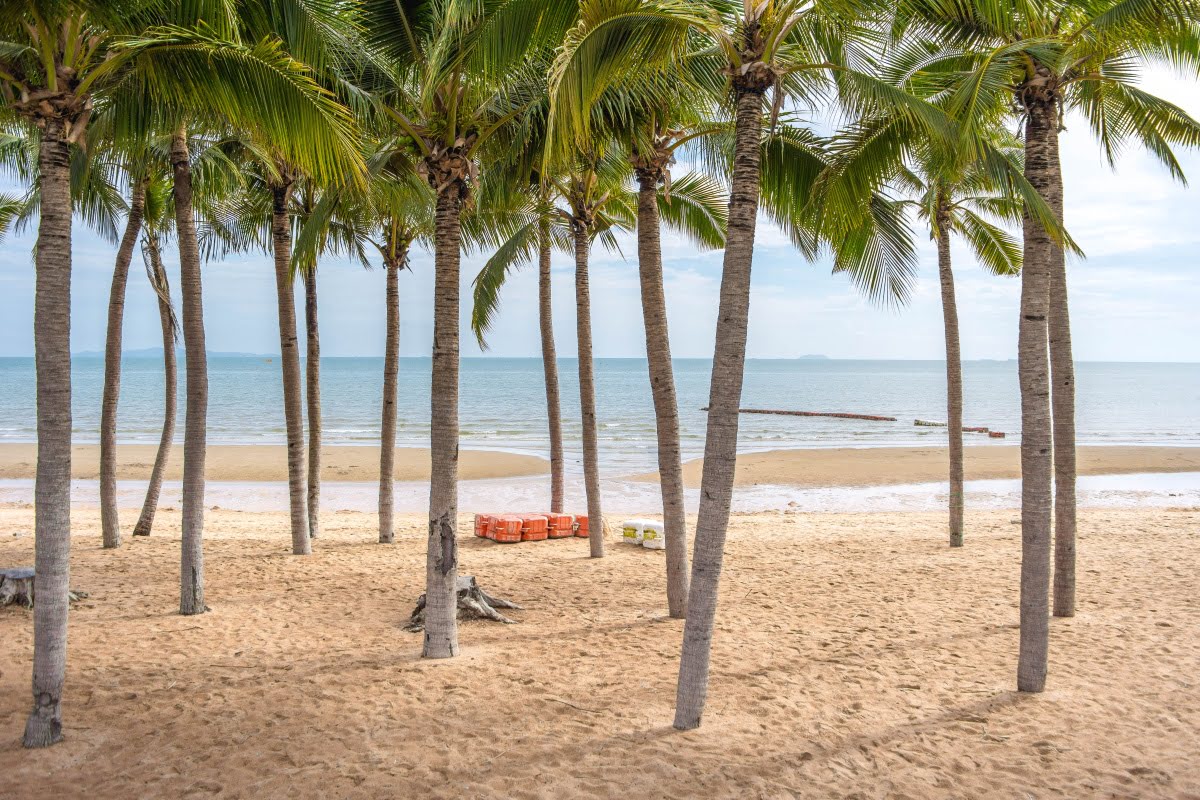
[[16, 587], [473, 603]]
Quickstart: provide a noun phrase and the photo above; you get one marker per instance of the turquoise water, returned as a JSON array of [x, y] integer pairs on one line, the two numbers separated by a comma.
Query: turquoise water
[[503, 402]]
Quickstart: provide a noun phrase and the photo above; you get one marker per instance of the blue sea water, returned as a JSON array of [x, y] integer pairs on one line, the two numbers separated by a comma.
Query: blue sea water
[[503, 403]]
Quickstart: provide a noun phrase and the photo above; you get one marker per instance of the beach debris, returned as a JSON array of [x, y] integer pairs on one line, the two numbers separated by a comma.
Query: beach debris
[[17, 587], [931, 424], [646, 532], [833, 414], [473, 603]]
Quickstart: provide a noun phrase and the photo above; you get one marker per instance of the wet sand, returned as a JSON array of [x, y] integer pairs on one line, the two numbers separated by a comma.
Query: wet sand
[[855, 655], [878, 466], [269, 463]]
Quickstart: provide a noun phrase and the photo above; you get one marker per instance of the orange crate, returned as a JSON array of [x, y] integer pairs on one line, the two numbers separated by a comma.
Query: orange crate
[[559, 526], [533, 528], [482, 523], [506, 529], [581, 526]]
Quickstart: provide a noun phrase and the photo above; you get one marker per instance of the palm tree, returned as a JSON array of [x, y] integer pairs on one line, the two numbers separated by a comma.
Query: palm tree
[[1044, 60], [952, 194], [457, 80]]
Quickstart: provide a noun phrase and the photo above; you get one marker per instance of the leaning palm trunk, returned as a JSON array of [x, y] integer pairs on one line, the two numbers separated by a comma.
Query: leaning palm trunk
[[281, 240], [166, 316], [954, 398], [1041, 167], [387, 436], [587, 390], [110, 524], [313, 396], [441, 565], [195, 425], [725, 392], [550, 367], [662, 388], [1062, 398], [52, 487]]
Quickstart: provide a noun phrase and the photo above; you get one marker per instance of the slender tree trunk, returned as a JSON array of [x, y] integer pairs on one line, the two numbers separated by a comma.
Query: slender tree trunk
[[387, 437], [313, 396], [166, 316], [52, 487], [587, 391], [550, 367], [725, 392], [289, 351], [662, 387], [109, 521], [441, 566], [195, 420], [1041, 161], [1062, 399], [954, 398]]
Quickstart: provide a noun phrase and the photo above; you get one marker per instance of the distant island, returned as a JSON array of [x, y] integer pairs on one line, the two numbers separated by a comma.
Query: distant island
[[814, 357]]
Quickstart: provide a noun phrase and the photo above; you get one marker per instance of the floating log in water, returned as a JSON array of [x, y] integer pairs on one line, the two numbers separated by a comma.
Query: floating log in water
[[930, 424], [834, 414]]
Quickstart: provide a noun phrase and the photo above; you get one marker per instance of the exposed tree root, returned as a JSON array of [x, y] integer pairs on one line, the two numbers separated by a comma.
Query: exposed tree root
[[473, 603], [17, 587]]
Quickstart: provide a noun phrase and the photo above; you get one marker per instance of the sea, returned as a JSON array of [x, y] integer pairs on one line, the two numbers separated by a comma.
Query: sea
[[502, 404]]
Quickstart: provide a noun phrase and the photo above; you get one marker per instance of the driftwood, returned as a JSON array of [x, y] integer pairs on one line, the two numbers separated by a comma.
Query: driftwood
[[930, 424], [833, 414], [17, 587], [473, 603]]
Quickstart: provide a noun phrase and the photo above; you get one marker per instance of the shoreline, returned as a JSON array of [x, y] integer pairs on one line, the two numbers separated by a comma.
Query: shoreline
[[261, 463], [887, 466]]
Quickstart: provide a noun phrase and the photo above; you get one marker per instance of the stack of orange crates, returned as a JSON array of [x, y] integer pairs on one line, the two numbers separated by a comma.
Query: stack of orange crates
[[533, 528], [510, 528], [506, 528], [560, 526]]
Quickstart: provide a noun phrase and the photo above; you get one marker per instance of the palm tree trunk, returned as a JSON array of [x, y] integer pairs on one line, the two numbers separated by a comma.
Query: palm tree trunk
[[954, 398], [313, 396], [441, 565], [110, 524], [1041, 165], [166, 316], [662, 388], [587, 391], [1062, 399], [387, 437], [195, 421], [52, 487], [725, 392], [550, 367], [281, 240]]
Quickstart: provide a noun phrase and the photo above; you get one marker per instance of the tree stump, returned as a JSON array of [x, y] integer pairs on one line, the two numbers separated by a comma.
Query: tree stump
[[473, 603], [16, 586]]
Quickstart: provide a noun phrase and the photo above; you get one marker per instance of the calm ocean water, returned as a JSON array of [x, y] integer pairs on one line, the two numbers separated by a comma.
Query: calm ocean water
[[503, 402]]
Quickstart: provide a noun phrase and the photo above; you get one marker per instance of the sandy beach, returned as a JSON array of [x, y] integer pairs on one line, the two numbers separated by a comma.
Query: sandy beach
[[877, 466], [854, 656], [269, 463]]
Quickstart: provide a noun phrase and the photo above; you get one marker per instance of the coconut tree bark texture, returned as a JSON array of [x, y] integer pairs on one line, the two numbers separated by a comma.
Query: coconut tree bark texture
[[195, 423], [1062, 401], [662, 386], [1033, 367], [725, 393], [391, 367], [587, 387], [441, 567], [52, 484], [954, 397], [166, 316], [312, 395], [550, 366], [109, 519], [289, 352]]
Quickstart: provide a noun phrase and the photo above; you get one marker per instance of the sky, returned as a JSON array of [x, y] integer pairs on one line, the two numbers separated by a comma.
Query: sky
[[1135, 297]]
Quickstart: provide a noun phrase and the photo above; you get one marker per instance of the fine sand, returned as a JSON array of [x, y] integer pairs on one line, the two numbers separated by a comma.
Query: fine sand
[[269, 463], [893, 465], [855, 655]]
